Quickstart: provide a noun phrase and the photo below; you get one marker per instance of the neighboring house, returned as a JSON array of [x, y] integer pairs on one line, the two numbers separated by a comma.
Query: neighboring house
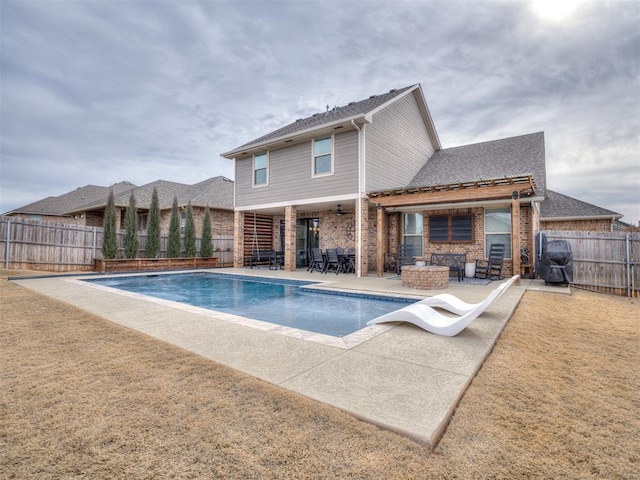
[[214, 193], [372, 174], [561, 212], [59, 209], [86, 206]]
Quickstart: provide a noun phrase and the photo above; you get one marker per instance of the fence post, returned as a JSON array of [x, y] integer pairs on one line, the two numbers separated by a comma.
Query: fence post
[[628, 261], [6, 255]]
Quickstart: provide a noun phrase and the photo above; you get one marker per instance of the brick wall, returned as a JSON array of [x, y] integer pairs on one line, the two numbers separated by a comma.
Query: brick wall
[[337, 231], [221, 221], [425, 278], [474, 250], [238, 240], [601, 225]]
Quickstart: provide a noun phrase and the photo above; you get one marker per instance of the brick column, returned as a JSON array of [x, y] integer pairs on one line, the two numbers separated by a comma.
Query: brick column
[[362, 217], [238, 239], [290, 238], [381, 240]]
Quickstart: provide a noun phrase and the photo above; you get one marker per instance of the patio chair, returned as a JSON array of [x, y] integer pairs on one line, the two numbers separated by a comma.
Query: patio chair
[[453, 304], [333, 261], [316, 260], [492, 267], [350, 260], [405, 256]]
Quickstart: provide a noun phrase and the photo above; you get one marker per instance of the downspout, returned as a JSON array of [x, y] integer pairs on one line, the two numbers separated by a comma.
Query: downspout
[[359, 209]]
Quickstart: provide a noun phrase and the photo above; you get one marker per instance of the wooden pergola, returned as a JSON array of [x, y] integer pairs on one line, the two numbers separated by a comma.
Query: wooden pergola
[[502, 188]]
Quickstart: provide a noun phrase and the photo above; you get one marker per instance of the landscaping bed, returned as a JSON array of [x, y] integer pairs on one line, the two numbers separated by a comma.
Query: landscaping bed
[[146, 264]]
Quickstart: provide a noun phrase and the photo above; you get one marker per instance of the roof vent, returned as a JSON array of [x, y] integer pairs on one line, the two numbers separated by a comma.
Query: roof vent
[[352, 103], [392, 90], [315, 114], [372, 96]]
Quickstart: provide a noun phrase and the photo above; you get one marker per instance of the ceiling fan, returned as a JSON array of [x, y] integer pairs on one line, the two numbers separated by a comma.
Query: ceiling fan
[[339, 211]]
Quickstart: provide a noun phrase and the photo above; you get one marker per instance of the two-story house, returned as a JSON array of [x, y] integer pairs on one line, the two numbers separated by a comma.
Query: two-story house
[[372, 174]]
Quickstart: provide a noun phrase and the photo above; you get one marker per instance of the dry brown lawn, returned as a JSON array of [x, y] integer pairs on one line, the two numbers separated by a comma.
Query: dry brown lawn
[[81, 397]]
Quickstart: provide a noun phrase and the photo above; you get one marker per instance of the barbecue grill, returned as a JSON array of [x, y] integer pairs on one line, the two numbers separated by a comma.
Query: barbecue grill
[[554, 260]]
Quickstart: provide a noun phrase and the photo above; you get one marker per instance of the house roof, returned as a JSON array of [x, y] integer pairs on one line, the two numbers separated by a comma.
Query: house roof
[[215, 192], [505, 158], [562, 207], [69, 202], [337, 115]]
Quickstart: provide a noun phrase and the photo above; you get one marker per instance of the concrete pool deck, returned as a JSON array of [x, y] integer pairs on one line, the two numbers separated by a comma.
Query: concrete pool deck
[[397, 376]]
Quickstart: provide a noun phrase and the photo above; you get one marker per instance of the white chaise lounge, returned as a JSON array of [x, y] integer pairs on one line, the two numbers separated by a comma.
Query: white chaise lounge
[[427, 318], [453, 304]]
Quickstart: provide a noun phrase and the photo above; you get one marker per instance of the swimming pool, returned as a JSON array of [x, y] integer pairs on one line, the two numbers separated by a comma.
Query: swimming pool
[[290, 303]]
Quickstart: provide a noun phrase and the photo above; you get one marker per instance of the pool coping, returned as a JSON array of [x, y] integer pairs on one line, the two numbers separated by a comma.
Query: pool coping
[[403, 379], [345, 342]]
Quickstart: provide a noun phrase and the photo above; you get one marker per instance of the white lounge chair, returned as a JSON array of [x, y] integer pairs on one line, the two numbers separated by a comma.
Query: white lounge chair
[[425, 317], [453, 304]]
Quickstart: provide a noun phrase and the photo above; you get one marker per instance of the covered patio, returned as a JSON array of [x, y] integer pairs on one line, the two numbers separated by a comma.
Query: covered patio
[[470, 198]]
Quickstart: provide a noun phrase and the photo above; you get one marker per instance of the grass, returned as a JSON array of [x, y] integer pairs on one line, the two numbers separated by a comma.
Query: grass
[[81, 397]]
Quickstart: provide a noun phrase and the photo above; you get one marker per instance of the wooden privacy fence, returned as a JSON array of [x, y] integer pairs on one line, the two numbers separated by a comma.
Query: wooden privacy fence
[[63, 247], [606, 262]]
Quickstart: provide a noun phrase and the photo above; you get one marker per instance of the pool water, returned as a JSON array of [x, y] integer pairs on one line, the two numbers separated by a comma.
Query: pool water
[[283, 302]]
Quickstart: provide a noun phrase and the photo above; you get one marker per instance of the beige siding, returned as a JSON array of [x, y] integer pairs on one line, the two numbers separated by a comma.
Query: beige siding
[[290, 174], [397, 145]]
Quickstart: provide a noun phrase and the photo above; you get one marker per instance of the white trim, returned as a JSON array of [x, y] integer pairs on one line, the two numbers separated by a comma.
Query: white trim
[[253, 170], [510, 232], [369, 115], [305, 201], [313, 156], [422, 106], [265, 144], [587, 217]]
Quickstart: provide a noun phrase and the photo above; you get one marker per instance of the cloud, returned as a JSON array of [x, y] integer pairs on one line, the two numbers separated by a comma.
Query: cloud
[[99, 92]]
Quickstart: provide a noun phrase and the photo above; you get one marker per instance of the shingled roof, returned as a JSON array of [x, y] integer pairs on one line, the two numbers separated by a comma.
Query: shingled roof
[[562, 207], [334, 115], [215, 192], [504, 158], [72, 201]]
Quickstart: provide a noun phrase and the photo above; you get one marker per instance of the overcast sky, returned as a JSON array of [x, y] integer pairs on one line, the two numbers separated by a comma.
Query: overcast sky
[[96, 92]]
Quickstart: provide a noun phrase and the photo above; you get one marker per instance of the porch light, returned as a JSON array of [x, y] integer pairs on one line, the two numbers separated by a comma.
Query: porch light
[[515, 195]]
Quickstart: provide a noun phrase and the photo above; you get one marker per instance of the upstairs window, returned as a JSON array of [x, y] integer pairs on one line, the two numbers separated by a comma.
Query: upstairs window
[[451, 228], [322, 156], [260, 169]]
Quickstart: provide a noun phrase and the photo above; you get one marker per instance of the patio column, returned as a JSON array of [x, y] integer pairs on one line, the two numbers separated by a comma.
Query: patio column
[[381, 241], [290, 238], [515, 234], [362, 237], [238, 239]]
